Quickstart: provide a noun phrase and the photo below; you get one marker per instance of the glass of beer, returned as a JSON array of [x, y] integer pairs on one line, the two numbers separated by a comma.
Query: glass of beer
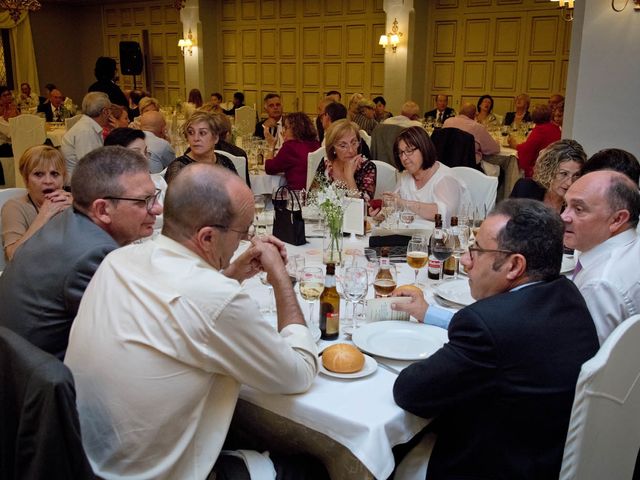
[[417, 257], [311, 285], [386, 280]]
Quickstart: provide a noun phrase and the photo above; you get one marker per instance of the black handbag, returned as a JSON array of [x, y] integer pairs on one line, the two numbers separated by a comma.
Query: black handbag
[[288, 224]]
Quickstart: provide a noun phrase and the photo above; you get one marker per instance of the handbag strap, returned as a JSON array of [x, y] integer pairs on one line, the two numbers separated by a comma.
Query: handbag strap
[[291, 194]]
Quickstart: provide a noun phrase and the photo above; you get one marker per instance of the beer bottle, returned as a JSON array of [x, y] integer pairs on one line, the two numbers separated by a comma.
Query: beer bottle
[[330, 306]]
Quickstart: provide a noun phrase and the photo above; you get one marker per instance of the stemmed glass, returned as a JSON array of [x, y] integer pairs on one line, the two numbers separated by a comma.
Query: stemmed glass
[[258, 202], [311, 286], [478, 217], [441, 245], [461, 245], [265, 281], [389, 209], [407, 217], [355, 286], [417, 256]]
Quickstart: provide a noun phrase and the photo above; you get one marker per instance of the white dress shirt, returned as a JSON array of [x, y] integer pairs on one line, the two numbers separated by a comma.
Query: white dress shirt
[[82, 138], [161, 152], [443, 189], [609, 281], [159, 348]]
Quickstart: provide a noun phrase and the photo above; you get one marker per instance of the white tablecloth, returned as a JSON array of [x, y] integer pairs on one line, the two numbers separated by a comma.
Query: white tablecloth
[[55, 135], [264, 184]]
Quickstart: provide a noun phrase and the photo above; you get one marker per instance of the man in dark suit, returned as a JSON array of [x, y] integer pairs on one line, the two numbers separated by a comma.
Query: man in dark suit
[[502, 388], [54, 110], [271, 127], [114, 203], [442, 111]]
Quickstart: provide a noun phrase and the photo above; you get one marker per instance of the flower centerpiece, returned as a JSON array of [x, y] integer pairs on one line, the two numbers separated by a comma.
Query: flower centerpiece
[[331, 199]]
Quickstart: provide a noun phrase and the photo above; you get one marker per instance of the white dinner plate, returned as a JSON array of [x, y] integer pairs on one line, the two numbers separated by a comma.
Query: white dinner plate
[[370, 366], [456, 291], [399, 340], [568, 264]]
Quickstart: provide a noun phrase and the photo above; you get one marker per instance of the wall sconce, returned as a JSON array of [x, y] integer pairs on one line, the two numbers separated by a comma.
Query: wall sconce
[[392, 38], [636, 7], [567, 9], [186, 44]]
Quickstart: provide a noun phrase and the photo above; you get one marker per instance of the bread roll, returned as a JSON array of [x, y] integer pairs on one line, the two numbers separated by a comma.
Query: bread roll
[[342, 358]]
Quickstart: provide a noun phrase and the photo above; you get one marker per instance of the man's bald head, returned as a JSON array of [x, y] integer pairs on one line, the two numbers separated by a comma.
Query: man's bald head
[[410, 110], [468, 109], [152, 121]]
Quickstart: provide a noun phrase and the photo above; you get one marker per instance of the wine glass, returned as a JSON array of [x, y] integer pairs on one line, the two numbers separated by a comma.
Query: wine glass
[[441, 245], [355, 286], [295, 265], [417, 257], [311, 286], [389, 209], [478, 218], [265, 281], [258, 203], [461, 244], [407, 217]]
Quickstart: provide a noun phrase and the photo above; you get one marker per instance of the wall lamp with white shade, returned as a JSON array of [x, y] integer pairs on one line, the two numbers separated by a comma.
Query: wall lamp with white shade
[[186, 44], [392, 38]]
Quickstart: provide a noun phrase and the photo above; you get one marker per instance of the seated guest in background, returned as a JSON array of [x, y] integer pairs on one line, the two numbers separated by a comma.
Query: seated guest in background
[[238, 101], [343, 162], [335, 95], [195, 97], [409, 116], [8, 109], [365, 116], [226, 146], [270, 128], [54, 110], [146, 104], [442, 110], [333, 112], [614, 159], [161, 152], [502, 388], [202, 132], [557, 167], [425, 186], [46, 94], [86, 133], [106, 74], [600, 220], [557, 116], [521, 113], [119, 119], [381, 112], [352, 109], [27, 99], [299, 141], [214, 103], [129, 138], [321, 106], [543, 134], [554, 101], [178, 313], [134, 103], [114, 203], [465, 121], [43, 171], [485, 109]]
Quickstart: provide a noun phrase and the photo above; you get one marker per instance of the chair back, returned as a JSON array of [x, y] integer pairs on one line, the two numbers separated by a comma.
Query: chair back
[[604, 430], [456, 148], [482, 188], [26, 131], [313, 160], [239, 162], [39, 425], [366, 137], [386, 178], [5, 195], [245, 120], [70, 122], [382, 140]]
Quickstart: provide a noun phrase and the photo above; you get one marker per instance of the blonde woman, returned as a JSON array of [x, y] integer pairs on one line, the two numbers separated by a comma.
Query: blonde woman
[[43, 170]]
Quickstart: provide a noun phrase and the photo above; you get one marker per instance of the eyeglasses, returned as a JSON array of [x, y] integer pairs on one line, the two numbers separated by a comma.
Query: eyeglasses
[[477, 250], [149, 201], [406, 153], [563, 175], [248, 233], [346, 146]]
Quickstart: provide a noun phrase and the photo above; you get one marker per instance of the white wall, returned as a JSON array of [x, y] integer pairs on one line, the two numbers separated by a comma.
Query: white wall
[[603, 85]]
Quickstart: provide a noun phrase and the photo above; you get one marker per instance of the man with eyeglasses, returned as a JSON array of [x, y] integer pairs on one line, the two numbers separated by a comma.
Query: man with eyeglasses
[[501, 390], [114, 204], [181, 336]]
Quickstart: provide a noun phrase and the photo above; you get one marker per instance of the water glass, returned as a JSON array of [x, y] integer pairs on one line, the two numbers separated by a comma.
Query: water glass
[[355, 285]]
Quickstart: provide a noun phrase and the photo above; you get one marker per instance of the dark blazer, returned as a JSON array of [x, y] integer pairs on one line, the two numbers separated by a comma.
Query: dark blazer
[[110, 88], [448, 112], [509, 117], [455, 147], [502, 388], [259, 131], [46, 109], [528, 188], [41, 288]]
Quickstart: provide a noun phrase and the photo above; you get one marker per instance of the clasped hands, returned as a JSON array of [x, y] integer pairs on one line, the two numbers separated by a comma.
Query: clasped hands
[[266, 253]]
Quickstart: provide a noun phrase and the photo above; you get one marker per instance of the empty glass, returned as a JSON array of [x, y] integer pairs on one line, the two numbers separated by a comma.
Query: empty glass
[[355, 285]]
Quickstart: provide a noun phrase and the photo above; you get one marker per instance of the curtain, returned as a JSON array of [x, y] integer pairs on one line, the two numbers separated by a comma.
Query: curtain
[[22, 53]]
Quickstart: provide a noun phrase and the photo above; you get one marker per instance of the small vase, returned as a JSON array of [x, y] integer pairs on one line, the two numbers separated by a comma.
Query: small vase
[[332, 239]]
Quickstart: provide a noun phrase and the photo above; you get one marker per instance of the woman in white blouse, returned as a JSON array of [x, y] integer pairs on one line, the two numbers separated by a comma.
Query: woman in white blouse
[[425, 185]]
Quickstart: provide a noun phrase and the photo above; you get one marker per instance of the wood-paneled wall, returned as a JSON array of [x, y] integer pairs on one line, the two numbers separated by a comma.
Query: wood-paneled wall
[[156, 27], [301, 49], [497, 47]]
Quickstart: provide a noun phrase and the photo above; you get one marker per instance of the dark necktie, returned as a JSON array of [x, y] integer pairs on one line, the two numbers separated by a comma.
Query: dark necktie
[[440, 117]]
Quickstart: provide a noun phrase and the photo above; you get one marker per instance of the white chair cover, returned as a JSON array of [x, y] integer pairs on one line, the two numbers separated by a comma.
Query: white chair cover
[[366, 137], [313, 160], [5, 195], [386, 178], [26, 131], [604, 431], [482, 188], [70, 122], [245, 120], [239, 162]]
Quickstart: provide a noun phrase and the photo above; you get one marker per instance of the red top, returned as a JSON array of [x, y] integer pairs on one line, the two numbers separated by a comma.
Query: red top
[[540, 137], [292, 160]]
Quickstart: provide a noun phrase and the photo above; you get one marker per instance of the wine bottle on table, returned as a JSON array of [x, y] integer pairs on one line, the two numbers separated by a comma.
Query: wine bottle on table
[[435, 265], [330, 306], [451, 264]]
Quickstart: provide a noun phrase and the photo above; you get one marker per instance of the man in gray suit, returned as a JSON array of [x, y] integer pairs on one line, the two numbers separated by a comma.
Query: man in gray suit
[[114, 203]]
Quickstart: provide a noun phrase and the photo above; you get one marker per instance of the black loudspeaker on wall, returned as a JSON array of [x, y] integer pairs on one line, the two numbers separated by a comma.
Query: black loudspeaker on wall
[[130, 58]]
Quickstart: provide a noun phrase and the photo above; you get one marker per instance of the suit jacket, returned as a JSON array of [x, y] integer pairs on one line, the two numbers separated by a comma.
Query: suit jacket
[[382, 140], [41, 288], [502, 388], [455, 147], [46, 109], [448, 112]]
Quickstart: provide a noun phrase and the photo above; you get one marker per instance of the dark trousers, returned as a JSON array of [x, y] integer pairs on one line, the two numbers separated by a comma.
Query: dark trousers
[[288, 467]]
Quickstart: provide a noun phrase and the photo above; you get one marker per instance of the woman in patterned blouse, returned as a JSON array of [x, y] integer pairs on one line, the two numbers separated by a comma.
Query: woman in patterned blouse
[[343, 162]]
